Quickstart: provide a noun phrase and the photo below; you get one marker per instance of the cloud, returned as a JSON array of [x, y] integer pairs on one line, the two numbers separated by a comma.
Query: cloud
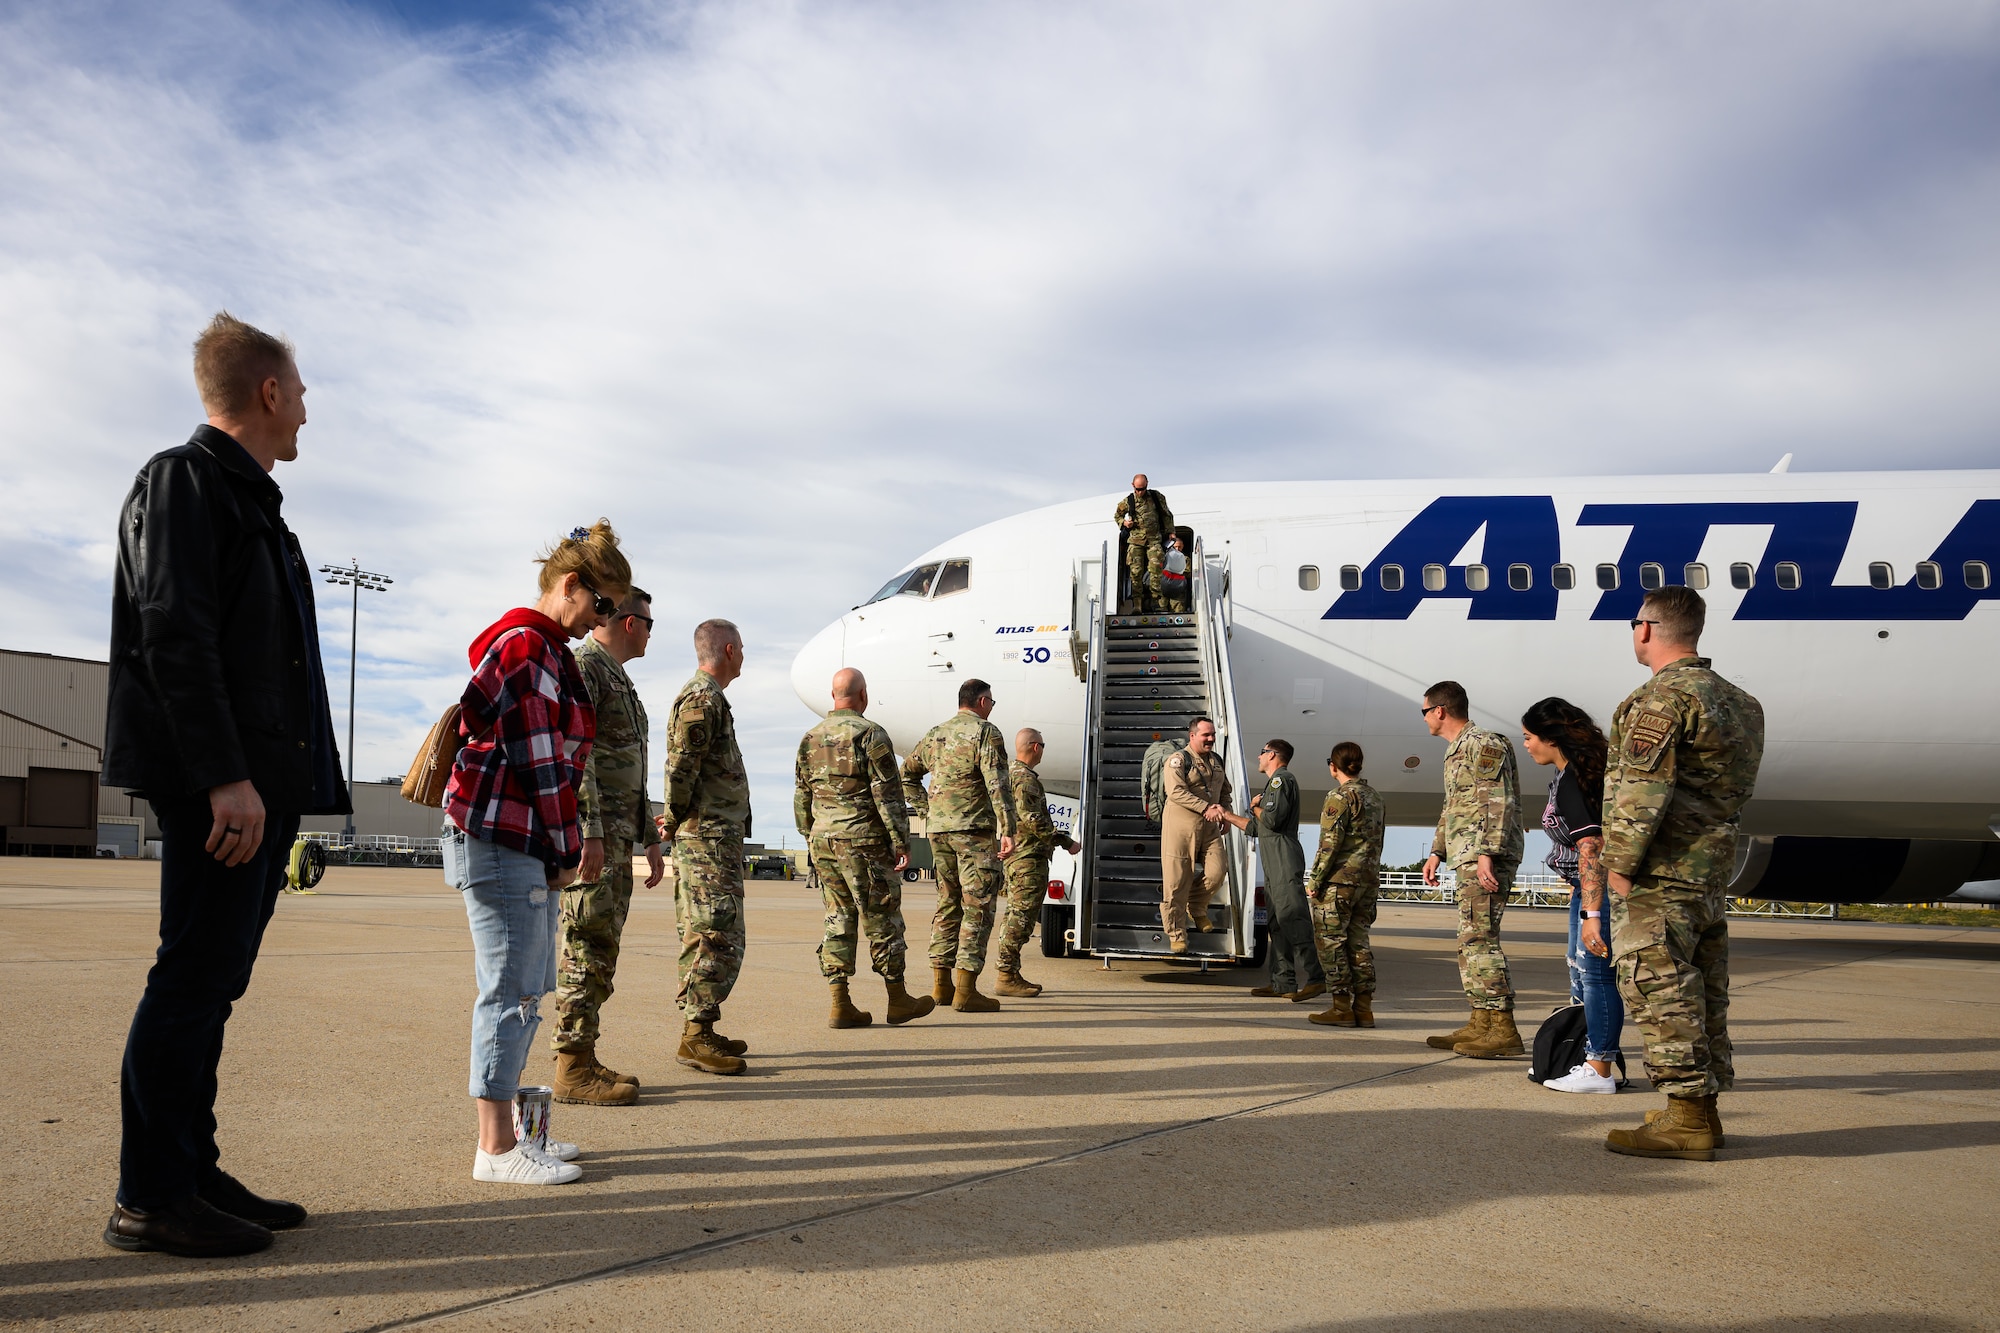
[[793, 291]]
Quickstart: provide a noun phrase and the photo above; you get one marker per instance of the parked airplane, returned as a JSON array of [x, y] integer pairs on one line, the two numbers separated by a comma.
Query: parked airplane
[[1855, 606]]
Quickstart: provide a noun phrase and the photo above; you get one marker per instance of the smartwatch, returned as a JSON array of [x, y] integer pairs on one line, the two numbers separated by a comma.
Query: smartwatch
[[1592, 916]]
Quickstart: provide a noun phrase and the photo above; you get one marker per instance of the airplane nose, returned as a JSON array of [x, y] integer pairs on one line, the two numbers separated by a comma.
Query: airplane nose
[[813, 668]]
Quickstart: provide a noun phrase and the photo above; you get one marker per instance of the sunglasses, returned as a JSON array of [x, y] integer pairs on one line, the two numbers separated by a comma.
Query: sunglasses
[[1426, 712], [599, 603], [636, 616], [1637, 623]]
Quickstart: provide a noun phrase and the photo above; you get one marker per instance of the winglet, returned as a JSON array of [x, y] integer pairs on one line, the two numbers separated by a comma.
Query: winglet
[[1784, 464]]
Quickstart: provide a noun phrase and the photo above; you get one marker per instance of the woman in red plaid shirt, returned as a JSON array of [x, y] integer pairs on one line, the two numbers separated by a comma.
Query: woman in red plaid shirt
[[511, 840]]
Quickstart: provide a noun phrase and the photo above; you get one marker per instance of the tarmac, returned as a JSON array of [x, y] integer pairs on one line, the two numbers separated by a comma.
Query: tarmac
[[1141, 1147]]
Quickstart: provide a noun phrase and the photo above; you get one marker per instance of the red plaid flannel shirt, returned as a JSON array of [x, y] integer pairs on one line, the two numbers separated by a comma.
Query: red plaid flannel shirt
[[528, 724]]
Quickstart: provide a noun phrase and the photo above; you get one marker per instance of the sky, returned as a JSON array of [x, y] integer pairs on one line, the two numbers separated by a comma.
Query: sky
[[792, 291]]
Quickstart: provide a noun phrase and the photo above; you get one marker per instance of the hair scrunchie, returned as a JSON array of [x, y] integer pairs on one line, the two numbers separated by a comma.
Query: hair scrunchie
[[579, 534]]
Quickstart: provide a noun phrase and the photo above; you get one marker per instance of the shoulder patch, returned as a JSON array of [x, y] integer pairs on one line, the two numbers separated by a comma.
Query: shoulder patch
[[1274, 784], [697, 735], [1649, 729], [1492, 757], [1174, 761]]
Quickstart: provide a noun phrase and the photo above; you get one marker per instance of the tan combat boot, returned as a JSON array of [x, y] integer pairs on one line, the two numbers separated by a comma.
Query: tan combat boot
[[1708, 1109], [844, 1014], [729, 1044], [1500, 1040], [700, 1050], [904, 1006], [943, 987], [966, 997], [1339, 1013], [1011, 982], [610, 1075], [581, 1081], [1267, 992], [1304, 993], [1448, 1041], [1364, 1009], [1681, 1131]]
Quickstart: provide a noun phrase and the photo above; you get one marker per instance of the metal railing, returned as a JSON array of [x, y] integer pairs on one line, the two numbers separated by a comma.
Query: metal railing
[[1546, 890], [1212, 628], [377, 849], [1093, 723]]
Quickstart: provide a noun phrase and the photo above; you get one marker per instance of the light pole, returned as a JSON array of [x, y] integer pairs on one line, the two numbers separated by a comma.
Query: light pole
[[353, 575]]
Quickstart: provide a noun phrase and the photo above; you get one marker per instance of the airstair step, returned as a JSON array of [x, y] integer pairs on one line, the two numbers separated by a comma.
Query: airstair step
[[1165, 622]]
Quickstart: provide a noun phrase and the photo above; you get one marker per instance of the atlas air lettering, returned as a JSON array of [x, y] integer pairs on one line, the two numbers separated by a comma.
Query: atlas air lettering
[[1808, 539], [1031, 629]]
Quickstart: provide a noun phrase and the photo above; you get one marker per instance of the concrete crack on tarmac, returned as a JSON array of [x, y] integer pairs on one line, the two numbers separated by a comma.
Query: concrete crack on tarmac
[[709, 1247]]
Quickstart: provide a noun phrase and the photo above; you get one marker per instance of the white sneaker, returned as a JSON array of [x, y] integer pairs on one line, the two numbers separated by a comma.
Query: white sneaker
[[562, 1152], [1582, 1078], [522, 1165]]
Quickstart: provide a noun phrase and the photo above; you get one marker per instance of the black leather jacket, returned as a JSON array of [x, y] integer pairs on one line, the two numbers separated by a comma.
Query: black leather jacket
[[211, 678]]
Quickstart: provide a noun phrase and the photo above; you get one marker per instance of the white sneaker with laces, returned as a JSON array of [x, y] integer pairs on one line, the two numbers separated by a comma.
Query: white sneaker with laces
[[1582, 1078], [562, 1152], [522, 1165]]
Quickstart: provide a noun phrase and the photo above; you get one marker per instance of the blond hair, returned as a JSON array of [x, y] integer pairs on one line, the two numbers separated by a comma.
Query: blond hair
[[592, 554], [231, 362]]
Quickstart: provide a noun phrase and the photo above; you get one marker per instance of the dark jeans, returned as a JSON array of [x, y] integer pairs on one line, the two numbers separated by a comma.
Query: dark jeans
[[212, 921]]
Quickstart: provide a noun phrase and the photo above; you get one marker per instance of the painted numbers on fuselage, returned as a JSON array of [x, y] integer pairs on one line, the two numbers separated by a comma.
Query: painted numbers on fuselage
[[1522, 529]]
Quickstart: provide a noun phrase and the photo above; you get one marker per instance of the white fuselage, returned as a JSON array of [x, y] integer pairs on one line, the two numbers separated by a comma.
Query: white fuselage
[[1882, 709]]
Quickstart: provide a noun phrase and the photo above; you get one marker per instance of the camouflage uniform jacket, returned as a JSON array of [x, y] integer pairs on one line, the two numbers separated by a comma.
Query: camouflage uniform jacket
[[1684, 753], [845, 783], [1034, 830], [968, 769], [1482, 800], [1151, 519], [708, 793], [1351, 828], [613, 800]]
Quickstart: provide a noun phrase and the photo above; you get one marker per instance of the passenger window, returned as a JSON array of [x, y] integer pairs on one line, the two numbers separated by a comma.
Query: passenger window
[[1881, 574], [1607, 577], [955, 577], [1742, 576], [1930, 575], [1475, 578], [1433, 578], [1309, 578], [916, 583], [1695, 575], [1652, 576], [1392, 578], [1787, 575], [1520, 578], [1350, 578], [1563, 577], [1977, 576]]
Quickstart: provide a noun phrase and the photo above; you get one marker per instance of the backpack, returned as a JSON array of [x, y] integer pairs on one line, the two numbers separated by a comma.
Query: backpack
[[430, 771], [1153, 777], [1560, 1044]]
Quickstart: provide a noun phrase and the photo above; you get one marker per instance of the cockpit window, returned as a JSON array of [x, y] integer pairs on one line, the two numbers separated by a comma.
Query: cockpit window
[[913, 583], [957, 577]]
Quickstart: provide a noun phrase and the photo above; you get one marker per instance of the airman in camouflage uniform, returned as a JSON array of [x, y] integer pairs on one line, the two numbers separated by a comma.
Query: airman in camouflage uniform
[[1345, 878], [1146, 521], [1479, 837], [1684, 753], [707, 819], [1027, 870], [613, 807], [969, 816], [848, 803]]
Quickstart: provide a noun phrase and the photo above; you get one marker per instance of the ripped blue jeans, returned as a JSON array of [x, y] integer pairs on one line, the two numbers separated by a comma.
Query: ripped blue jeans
[[513, 914]]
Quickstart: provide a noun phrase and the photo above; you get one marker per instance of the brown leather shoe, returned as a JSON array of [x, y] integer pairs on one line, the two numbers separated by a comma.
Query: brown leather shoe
[[903, 1006], [844, 1014], [701, 1050], [1304, 993], [1267, 992], [188, 1227], [966, 997]]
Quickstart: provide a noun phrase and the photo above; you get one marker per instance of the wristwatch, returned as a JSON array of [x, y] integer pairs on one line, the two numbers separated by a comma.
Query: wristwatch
[[1592, 916]]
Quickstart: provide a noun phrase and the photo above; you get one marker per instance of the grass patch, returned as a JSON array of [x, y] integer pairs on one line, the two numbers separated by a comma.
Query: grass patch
[[1920, 916]]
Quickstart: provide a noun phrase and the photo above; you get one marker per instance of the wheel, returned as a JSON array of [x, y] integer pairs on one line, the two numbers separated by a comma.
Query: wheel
[[1261, 949], [1055, 926], [912, 875], [312, 866]]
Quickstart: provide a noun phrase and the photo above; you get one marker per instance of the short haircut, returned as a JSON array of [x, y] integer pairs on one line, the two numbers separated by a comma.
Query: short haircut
[[1283, 748], [1680, 611], [592, 555], [634, 599], [1451, 695], [1027, 734], [969, 692], [231, 362], [1346, 757], [712, 636], [1195, 722]]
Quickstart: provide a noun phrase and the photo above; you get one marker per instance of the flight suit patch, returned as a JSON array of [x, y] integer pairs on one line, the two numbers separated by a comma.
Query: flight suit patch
[[1647, 738], [1174, 763]]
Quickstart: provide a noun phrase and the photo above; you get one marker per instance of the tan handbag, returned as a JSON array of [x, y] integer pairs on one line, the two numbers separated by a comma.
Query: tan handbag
[[430, 771]]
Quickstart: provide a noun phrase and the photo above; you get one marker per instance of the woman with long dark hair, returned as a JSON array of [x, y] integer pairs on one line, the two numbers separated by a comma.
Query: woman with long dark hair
[[1555, 731]]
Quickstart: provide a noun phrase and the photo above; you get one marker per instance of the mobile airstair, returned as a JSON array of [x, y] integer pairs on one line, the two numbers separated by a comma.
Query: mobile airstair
[[1146, 677]]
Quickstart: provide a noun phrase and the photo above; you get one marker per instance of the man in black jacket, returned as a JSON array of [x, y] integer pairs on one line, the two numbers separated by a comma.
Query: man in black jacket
[[218, 716]]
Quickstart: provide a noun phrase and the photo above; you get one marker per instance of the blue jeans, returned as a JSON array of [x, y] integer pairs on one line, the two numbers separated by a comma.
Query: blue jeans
[[513, 914], [1593, 983]]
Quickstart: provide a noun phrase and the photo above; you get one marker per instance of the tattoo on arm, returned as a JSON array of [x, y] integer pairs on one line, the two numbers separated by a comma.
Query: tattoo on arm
[[1590, 872]]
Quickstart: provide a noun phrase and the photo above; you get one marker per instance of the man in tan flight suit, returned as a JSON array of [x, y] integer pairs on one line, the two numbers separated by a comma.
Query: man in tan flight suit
[[1192, 867]]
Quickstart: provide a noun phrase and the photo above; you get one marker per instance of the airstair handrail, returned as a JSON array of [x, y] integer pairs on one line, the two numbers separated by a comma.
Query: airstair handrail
[[1213, 629], [1089, 779]]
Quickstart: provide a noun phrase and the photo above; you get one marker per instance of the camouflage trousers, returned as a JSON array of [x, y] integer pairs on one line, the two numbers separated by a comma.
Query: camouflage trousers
[[593, 918], [862, 893], [968, 879], [1482, 965], [1341, 922], [1671, 945], [1027, 881], [708, 908], [1144, 560]]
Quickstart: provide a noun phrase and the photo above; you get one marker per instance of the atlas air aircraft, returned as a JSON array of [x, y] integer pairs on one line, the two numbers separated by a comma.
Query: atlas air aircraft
[[1859, 608]]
